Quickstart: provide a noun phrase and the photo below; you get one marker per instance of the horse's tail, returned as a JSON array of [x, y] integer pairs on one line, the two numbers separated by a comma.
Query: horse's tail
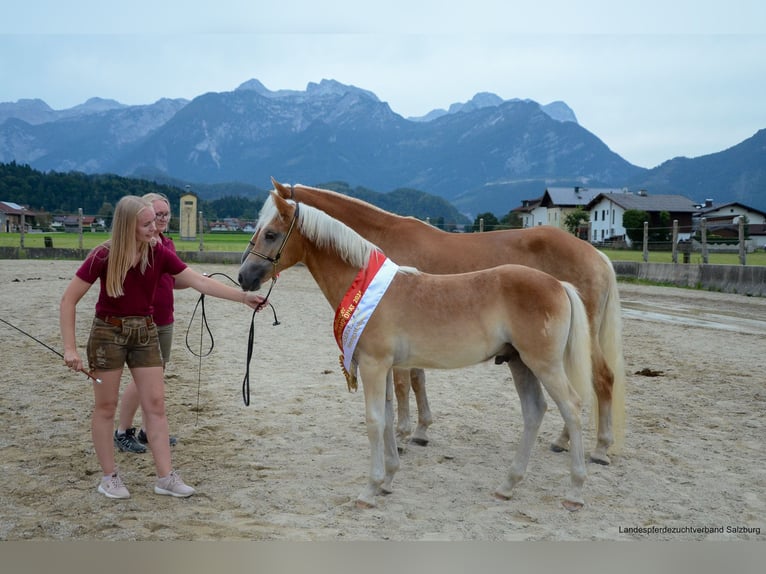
[[610, 340], [577, 361]]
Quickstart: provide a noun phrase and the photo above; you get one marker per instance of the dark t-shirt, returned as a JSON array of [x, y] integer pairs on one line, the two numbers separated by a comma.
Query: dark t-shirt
[[163, 296], [139, 289]]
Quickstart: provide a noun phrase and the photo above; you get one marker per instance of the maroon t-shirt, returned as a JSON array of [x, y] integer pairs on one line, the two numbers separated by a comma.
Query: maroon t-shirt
[[163, 296], [139, 289]]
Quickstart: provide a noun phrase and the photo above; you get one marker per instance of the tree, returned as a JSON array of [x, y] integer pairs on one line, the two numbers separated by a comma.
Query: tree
[[490, 221], [512, 220], [633, 222], [575, 219]]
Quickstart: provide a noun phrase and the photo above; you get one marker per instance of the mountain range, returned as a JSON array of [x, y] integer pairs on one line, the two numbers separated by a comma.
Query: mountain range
[[487, 154]]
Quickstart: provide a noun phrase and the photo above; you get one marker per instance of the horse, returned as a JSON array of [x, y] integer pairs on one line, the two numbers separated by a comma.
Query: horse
[[513, 313], [409, 241]]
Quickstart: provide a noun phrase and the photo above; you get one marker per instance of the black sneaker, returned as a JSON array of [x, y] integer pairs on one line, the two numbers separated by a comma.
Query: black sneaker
[[143, 439], [127, 442]]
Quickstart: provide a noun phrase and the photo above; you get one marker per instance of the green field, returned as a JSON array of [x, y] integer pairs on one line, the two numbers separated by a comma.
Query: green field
[[210, 241], [238, 241]]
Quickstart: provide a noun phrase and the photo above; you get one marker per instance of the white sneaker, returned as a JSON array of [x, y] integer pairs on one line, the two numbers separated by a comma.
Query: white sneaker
[[172, 485], [112, 487]]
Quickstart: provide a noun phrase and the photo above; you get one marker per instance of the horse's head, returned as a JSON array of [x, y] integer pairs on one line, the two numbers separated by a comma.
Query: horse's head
[[270, 249]]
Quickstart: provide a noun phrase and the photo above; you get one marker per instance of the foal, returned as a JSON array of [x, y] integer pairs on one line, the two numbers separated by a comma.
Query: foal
[[511, 313]]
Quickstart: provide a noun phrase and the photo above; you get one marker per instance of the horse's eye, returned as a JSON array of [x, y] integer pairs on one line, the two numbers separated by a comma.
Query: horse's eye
[[270, 236]]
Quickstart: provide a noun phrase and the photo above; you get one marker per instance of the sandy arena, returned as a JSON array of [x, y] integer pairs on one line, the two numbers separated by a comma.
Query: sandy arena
[[289, 466]]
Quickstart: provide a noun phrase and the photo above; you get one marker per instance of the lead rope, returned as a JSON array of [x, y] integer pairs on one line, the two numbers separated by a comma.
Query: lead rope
[[206, 327]]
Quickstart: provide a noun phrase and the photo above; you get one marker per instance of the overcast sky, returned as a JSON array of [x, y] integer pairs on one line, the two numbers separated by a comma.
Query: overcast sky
[[653, 79]]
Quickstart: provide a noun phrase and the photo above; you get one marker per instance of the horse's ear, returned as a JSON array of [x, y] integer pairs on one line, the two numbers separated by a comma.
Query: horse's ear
[[282, 205], [281, 189]]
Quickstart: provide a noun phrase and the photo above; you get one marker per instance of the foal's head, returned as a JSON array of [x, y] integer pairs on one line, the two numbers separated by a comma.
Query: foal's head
[[271, 248]]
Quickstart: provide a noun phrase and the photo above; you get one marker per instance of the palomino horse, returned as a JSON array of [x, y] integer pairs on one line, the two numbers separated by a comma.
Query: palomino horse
[[512, 312], [411, 242]]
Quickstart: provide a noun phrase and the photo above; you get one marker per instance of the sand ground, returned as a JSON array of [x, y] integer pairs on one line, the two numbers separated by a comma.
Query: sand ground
[[289, 466]]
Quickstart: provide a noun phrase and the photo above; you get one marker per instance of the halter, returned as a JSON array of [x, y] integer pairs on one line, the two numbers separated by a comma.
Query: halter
[[275, 260]]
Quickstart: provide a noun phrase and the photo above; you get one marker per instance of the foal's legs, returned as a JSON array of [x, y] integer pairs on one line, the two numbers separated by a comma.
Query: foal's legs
[[533, 408], [389, 438], [569, 404], [377, 382]]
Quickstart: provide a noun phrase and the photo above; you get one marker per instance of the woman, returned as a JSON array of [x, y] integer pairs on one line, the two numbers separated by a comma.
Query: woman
[[129, 267], [125, 437]]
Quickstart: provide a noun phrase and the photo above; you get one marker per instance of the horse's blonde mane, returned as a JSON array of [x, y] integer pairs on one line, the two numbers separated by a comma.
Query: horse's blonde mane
[[324, 231]]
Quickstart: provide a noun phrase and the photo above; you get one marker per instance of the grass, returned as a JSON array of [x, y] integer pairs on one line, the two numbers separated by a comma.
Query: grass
[[211, 241], [238, 241]]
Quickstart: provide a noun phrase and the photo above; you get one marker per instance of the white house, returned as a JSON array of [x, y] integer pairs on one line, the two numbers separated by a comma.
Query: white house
[[606, 211], [723, 220], [555, 204]]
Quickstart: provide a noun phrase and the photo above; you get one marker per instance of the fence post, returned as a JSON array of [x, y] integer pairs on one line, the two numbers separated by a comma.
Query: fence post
[[675, 241], [79, 223], [742, 240], [646, 241], [481, 225], [703, 239], [201, 232], [23, 225]]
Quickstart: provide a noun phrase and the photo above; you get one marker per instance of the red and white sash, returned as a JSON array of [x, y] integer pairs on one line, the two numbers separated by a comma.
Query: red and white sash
[[358, 305]]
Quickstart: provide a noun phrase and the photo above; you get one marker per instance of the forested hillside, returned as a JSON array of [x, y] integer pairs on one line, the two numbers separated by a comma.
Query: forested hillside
[[64, 193]]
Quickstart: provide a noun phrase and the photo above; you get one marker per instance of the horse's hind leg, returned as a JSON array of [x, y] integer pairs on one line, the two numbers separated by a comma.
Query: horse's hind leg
[[418, 382], [602, 385], [533, 408], [565, 397], [603, 382]]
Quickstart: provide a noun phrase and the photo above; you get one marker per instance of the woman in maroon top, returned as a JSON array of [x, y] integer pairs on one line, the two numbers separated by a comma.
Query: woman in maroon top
[[125, 437], [129, 267]]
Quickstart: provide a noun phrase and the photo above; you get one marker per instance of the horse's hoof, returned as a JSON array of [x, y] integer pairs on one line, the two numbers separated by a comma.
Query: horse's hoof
[[364, 505], [601, 459], [558, 448], [571, 505], [419, 441]]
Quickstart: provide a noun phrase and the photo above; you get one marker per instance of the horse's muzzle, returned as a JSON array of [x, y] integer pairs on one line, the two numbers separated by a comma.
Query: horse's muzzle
[[250, 277]]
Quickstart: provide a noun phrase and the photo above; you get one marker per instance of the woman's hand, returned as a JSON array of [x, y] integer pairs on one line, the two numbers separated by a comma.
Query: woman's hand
[[253, 300], [73, 361]]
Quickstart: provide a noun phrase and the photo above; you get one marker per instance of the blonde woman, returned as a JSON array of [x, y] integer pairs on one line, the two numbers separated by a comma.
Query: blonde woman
[[129, 267], [125, 437]]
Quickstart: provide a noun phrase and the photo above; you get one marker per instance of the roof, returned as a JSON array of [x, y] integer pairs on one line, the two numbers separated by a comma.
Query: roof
[[647, 202], [13, 208], [718, 206], [570, 196]]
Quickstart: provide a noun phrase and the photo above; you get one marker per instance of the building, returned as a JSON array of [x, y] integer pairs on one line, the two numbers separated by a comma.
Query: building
[[723, 220], [606, 211], [11, 215], [555, 204]]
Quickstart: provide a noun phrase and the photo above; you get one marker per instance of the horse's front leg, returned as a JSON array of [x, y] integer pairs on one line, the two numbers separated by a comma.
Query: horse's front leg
[[533, 408], [383, 461], [389, 438], [402, 388]]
